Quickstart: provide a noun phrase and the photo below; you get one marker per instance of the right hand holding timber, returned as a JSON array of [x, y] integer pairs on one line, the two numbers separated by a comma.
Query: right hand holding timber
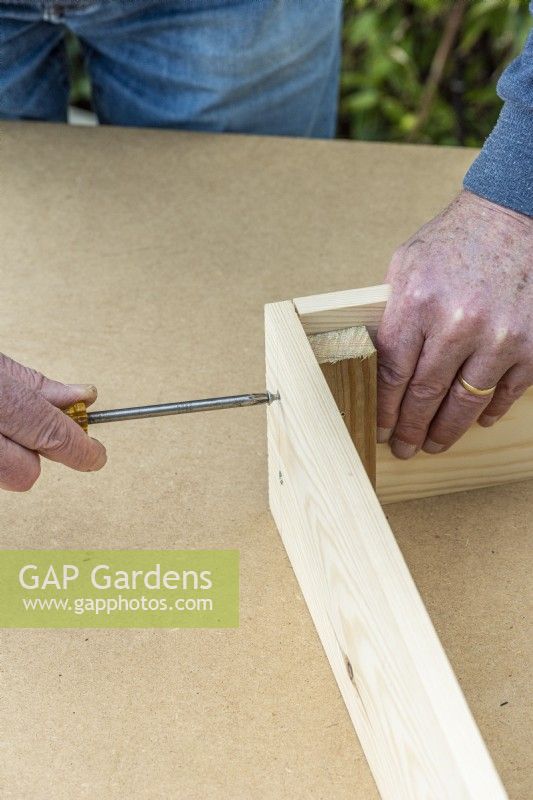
[[33, 425]]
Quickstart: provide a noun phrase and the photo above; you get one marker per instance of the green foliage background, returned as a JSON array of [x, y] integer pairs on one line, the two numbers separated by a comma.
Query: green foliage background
[[389, 46], [388, 50]]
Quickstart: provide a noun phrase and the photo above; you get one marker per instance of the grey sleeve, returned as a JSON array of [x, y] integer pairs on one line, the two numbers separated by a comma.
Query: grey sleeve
[[503, 171]]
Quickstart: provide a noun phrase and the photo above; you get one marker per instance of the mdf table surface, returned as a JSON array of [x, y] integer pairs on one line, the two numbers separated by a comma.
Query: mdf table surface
[[140, 261]]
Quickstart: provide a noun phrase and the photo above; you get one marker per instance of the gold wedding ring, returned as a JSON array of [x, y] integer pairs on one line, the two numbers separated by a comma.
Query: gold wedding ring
[[474, 389]]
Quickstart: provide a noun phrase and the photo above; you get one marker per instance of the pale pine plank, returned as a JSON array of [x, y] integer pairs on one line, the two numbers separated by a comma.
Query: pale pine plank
[[415, 727], [329, 312], [483, 457]]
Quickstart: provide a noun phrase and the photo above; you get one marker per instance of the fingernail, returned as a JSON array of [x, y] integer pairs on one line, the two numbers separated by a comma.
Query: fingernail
[[384, 434], [403, 449], [487, 420], [430, 446], [86, 391]]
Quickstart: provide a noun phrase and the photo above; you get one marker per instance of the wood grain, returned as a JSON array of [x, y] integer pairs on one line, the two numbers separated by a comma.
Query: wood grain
[[329, 312], [482, 457], [348, 361], [414, 725]]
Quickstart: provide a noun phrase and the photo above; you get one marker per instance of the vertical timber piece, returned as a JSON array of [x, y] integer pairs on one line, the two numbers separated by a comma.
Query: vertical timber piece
[[413, 722], [348, 360]]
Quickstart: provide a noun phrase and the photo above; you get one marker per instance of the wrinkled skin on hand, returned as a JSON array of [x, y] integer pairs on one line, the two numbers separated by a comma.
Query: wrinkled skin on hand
[[461, 303], [32, 424]]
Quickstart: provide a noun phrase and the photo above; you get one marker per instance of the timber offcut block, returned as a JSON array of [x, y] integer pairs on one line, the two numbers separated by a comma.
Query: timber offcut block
[[348, 360]]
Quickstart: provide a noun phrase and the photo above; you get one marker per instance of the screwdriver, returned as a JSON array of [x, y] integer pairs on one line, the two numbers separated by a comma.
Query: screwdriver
[[78, 411]]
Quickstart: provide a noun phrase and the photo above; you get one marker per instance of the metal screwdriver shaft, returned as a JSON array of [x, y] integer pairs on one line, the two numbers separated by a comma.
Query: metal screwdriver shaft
[[183, 407], [78, 412]]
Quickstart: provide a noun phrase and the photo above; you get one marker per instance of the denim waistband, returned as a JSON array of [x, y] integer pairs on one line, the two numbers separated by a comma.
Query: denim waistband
[[72, 5]]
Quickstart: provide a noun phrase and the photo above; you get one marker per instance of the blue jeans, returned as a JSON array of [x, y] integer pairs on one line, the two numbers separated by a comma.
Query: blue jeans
[[253, 66]]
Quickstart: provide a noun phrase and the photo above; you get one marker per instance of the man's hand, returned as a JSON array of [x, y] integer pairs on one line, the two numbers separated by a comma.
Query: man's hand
[[461, 304], [32, 424]]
